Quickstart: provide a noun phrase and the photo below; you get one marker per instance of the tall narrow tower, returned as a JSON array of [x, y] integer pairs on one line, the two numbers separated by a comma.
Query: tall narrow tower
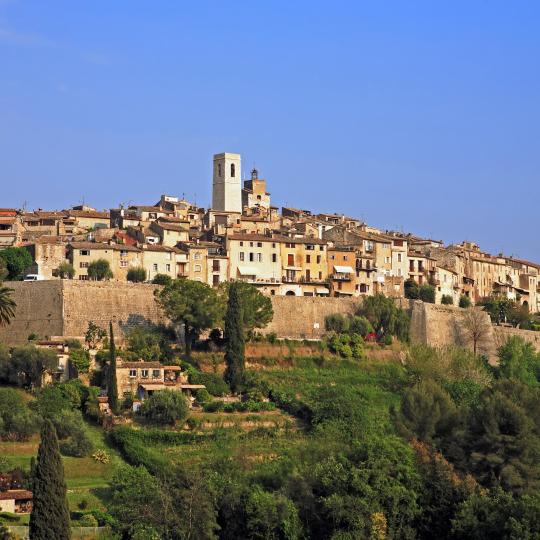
[[227, 189]]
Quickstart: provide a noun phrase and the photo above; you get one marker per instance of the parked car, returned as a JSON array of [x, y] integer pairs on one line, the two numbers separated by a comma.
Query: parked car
[[33, 277]]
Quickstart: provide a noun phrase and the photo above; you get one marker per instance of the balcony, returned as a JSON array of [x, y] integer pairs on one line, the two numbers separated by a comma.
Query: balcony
[[341, 277]]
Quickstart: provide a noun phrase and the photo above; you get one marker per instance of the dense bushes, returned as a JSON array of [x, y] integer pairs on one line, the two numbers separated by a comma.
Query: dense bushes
[[165, 407], [26, 366], [239, 406], [135, 451], [80, 359], [213, 382], [347, 345], [17, 422], [341, 324], [385, 316]]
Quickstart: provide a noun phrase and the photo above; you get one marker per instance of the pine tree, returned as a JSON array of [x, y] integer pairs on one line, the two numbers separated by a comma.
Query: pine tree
[[112, 389], [234, 336], [50, 514]]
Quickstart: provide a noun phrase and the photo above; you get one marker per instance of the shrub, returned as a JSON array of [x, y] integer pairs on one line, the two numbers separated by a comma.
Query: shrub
[[272, 338], [215, 385], [336, 323], [464, 301], [427, 294], [165, 407], [88, 520], [73, 343], [136, 274], [447, 300], [203, 396], [161, 279], [387, 340], [360, 325], [80, 359], [65, 270], [412, 289], [99, 270]]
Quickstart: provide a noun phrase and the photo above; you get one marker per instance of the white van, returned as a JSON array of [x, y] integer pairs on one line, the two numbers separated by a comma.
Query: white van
[[33, 277]]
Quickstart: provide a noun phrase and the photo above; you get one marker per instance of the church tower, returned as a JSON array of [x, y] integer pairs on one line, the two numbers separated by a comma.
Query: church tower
[[226, 192]]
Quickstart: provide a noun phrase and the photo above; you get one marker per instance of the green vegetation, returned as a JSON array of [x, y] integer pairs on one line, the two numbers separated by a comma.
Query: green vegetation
[[50, 513], [99, 270], [166, 407], [16, 261], [26, 365], [7, 305], [234, 339], [136, 274], [161, 279], [464, 301], [65, 270], [385, 317], [80, 359], [112, 386], [447, 300], [190, 303], [414, 291], [257, 308]]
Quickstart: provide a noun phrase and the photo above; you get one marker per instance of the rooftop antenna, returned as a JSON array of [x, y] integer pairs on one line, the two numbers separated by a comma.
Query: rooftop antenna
[[24, 206]]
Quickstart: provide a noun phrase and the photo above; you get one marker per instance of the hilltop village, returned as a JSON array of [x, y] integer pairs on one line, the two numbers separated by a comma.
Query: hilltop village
[[243, 237]]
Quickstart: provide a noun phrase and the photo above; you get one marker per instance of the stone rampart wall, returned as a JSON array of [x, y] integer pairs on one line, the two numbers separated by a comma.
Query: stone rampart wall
[[63, 308]]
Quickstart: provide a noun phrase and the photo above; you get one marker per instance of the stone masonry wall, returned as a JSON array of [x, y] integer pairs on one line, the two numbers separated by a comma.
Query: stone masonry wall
[[39, 311], [302, 317], [63, 308], [126, 304]]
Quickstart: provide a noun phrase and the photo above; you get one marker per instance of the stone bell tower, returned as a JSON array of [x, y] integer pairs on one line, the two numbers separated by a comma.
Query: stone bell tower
[[227, 189]]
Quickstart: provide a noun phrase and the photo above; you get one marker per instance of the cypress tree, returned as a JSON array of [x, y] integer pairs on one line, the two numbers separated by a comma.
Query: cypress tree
[[112, 389], [49, 519], [234, 336]]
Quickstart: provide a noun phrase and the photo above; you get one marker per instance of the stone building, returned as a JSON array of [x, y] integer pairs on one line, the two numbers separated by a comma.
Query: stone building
[[227, 174]]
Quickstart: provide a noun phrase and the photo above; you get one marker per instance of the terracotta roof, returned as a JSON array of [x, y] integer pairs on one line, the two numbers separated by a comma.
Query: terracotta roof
[[277, 239], [171, 226], [153, 247], [15, 494], [88, 214], [101, 245], [144, 365]]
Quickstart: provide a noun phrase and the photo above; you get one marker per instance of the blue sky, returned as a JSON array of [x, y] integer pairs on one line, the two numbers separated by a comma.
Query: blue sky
[[421, 116]]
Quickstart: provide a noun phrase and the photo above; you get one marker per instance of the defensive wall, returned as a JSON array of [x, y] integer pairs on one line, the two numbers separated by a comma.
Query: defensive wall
[[64, 307]]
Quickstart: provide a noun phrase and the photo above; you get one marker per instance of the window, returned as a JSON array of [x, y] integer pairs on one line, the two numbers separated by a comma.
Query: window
[[123, 264], [84, 252], [155, 267], [345, 257], [259, 244], [215, 279], [241, 243], [332, 257], [272, 292], [197, 256], [215, 266], [83, 278], [197, 268], [144, 373], [399, 257], [233, 170], [84, 265], [290, 259], [241, 254], [123, 253], [156, 373], [132, 372], [274, 257], [274, 245], [168, 267], [320, 275], [259, 257], [251, 257], [219, 169], [318, 259], [258, 197], [308, 258], [152, 215]]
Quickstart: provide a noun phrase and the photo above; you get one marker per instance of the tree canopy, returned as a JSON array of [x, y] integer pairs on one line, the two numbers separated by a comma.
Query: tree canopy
[[16, 260], [190, 303]]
